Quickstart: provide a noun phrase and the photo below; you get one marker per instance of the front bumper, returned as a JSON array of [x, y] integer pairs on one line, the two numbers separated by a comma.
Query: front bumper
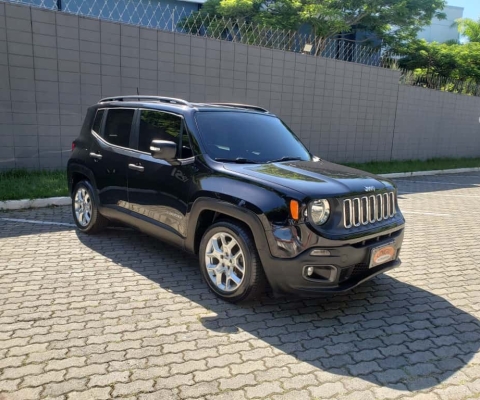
[[350, 263]]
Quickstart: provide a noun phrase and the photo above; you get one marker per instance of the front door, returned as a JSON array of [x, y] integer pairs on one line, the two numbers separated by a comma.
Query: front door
[[158, 192], [109, 156]]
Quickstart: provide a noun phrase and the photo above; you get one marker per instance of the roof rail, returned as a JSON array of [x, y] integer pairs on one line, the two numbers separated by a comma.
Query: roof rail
[[237, 105], [171, 100]]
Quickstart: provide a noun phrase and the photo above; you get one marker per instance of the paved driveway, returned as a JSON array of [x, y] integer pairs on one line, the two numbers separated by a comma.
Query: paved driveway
[[120, 315]]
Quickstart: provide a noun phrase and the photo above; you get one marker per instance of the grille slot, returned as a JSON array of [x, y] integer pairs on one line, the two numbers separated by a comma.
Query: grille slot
[[359, 271], [368, 209]]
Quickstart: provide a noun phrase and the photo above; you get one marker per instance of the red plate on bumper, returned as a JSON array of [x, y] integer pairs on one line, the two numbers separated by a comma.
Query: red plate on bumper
[[382, 255]]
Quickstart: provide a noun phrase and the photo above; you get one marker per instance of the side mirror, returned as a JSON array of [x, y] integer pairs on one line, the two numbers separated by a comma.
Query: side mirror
[[163, 149]]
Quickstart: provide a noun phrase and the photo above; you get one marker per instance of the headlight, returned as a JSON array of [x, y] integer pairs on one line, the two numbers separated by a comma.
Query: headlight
[[319, 211]]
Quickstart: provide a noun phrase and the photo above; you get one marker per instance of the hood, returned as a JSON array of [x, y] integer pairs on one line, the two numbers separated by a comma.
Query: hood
[[313, 178]]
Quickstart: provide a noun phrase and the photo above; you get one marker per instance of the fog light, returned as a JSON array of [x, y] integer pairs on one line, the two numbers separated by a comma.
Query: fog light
[[320, 273], [320, 252]]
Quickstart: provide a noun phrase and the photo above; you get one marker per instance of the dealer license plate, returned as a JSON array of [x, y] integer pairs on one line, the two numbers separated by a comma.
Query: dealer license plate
[[382, 255]]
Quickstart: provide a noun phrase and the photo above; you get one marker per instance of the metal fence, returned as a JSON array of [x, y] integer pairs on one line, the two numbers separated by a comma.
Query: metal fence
[[187, 19], [436, 82], [245, 32]]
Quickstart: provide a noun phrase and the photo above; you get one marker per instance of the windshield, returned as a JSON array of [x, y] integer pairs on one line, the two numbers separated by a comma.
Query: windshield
[[247, 137]]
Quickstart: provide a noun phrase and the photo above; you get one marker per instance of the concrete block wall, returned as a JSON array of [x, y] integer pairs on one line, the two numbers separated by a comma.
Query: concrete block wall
[[54, 65], [436, 124]]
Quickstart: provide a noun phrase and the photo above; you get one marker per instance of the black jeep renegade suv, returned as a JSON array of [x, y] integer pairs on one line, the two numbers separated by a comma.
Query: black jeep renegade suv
[[233, 184]]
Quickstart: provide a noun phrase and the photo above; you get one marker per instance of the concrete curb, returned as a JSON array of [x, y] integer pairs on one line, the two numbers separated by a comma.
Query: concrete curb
[[427, 173], [65, 201], [35, 203]]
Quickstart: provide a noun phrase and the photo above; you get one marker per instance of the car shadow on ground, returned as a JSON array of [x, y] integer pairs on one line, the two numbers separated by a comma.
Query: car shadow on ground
[[386, 332]]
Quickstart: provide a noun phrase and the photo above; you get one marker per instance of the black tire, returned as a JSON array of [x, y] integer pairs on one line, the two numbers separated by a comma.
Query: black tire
[[97, 222], [254, 281]]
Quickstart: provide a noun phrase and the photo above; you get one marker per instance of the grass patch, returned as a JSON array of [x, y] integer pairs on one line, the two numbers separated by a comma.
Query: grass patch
[[385, 167], [22, 184]]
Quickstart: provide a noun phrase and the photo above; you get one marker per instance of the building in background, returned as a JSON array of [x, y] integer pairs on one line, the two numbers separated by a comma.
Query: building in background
[[442, 30]]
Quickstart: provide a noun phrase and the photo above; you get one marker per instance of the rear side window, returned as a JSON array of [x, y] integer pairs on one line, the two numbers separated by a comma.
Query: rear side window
[[97, 122], [118, 126], [157, 125]]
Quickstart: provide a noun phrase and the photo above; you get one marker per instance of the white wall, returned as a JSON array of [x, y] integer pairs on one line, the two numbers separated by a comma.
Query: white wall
[[441, 30]]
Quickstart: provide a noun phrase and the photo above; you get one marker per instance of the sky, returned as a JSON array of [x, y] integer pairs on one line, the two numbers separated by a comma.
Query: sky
[[471, 7]]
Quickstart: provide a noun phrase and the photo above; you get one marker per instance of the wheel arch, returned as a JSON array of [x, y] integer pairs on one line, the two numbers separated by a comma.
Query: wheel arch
[[77, 173], [206, 211]]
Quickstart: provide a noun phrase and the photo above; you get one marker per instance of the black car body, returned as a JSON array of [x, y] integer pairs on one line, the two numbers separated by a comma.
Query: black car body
[[174, 169]]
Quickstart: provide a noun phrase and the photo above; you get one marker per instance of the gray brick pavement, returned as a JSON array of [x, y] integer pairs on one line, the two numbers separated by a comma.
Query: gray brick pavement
[[120, 315]]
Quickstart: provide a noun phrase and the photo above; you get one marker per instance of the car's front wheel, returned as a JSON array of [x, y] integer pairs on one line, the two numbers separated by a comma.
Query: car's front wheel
[[230, 263], [85, 209]]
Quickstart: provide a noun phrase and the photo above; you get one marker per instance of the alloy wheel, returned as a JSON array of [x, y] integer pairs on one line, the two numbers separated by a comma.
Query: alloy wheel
[[225, 262], [83, 206]]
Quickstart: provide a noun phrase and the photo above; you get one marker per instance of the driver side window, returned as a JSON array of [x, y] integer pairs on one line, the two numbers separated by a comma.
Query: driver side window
[[157, 125]]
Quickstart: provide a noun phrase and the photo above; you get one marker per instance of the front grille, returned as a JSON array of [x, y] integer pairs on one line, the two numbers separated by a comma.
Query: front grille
[[354, 273], [358, 271], [368, 209], [344, 274]]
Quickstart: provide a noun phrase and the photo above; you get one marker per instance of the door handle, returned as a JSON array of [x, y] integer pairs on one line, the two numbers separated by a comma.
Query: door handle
[[96, 156], [138, 168]]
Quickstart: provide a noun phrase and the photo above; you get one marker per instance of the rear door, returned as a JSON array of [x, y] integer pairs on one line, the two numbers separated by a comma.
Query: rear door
[[158, 192], [110, 154]]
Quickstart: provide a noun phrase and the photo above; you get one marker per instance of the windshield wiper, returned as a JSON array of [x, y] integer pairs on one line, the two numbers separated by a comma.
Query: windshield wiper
[[238, 160], [286, 158]]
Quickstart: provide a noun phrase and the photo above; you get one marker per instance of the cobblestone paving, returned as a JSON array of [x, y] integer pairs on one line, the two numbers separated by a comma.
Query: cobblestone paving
[[120, 315]]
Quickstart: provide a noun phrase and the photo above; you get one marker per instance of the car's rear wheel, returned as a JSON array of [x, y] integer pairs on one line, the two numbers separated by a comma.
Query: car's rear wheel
[[85, 209], [230, 263]]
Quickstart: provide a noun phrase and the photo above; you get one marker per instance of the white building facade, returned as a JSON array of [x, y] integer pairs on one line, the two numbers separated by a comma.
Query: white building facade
[[442, 30]]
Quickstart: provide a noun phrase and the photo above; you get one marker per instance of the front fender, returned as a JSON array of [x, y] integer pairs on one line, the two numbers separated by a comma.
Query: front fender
[[261, 199], [258, 224]]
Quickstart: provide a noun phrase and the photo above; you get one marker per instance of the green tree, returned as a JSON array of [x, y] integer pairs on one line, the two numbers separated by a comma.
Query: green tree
[[430, 58], [454, 61], [446, 66], [467, 58], [393, 21], [223, 17], [469, 28]]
